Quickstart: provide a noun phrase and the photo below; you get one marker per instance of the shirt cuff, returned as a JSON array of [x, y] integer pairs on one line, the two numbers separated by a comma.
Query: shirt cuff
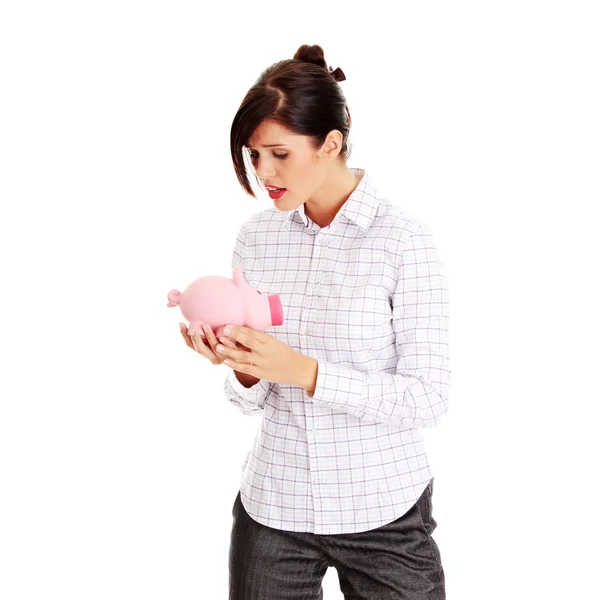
[[253, 393], [339, 386]]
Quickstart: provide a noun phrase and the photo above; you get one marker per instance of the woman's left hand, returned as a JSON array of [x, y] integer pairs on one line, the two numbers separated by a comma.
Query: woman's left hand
[[268, 358]]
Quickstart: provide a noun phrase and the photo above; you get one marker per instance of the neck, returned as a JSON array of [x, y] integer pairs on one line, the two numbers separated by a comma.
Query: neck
[[326, 203]]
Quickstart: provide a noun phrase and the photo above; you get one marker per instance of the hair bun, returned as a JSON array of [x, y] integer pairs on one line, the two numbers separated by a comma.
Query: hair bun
[[313, 54]]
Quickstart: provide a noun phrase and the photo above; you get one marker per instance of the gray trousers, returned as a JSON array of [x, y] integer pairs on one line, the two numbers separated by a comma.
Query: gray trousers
[[397, 561]]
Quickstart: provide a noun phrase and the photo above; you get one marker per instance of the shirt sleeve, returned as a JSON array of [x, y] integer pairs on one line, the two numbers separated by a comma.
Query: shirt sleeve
[[249, 400], [416, 395]]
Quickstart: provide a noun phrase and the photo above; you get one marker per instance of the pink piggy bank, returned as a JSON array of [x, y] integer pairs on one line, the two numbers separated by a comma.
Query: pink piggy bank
[[219, 300]]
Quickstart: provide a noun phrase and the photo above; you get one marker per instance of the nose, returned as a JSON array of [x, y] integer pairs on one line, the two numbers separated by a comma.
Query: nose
[[265, 174]]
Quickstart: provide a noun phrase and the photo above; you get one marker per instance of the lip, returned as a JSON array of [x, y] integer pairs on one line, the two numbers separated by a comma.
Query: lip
[[275, 186], [277, 195]]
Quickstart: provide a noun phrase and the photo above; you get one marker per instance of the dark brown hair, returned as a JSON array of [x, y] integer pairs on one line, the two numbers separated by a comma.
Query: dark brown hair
[[300, 94]]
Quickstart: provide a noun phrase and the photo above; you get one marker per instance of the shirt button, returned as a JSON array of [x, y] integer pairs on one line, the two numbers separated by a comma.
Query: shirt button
[[315, 481]]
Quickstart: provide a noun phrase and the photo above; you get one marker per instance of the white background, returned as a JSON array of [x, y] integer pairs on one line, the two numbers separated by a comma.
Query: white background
[[120, 457]]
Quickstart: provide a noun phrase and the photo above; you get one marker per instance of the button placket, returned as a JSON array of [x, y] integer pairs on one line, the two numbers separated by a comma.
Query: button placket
[[311, 288], [322, 240]]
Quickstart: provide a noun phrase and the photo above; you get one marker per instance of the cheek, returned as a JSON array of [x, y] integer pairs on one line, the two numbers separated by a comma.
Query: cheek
[[299, 176]]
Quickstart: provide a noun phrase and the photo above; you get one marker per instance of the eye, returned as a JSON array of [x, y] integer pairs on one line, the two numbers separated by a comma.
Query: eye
[[254, 156]]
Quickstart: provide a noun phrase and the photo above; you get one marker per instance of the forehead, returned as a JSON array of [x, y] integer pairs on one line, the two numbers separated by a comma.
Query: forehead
[[269, 133]]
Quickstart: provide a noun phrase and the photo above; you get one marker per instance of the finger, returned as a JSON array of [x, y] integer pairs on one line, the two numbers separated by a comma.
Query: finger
[[201, 345], [232, 344], [210, 336], [227, 342], [249, 338], [255, 334], [212, 340], [186, 337], [241, 366], [238, 355]]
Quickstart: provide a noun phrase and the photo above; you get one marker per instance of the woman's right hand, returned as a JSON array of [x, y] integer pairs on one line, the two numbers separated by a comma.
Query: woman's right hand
[[208, 347]]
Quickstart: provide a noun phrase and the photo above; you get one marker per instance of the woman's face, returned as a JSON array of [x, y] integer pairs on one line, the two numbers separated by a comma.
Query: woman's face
[[289, 162]]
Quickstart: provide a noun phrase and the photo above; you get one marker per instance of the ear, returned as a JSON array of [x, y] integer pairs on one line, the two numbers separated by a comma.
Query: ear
[[333, 143]]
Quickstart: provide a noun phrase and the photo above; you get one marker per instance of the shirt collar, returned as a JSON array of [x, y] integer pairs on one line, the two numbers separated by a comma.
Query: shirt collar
[[360, 208]]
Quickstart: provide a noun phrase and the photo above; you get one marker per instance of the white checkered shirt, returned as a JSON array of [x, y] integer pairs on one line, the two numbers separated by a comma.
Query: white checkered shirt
[[367, 297]]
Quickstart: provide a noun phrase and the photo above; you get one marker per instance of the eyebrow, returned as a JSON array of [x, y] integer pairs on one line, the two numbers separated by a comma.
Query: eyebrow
[[270, 145]]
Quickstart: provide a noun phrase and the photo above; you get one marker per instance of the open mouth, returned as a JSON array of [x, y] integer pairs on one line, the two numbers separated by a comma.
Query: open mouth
[[276, 193]]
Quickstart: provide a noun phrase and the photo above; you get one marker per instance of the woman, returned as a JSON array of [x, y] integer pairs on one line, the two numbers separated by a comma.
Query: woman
[[337, 475]]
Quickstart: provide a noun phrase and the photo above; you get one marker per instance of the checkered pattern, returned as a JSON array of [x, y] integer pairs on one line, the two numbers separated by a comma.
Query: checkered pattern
[[367, 297]]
